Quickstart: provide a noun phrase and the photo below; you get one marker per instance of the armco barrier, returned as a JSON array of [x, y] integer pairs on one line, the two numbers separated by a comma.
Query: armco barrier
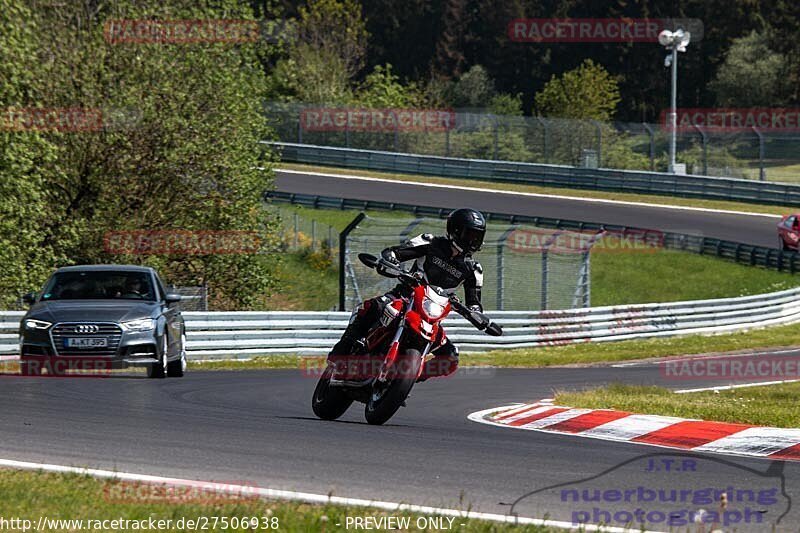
[[746, 254], [640, 182], [233, 335]]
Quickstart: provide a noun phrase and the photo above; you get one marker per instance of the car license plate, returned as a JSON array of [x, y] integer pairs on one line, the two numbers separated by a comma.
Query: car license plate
[[85, 343]]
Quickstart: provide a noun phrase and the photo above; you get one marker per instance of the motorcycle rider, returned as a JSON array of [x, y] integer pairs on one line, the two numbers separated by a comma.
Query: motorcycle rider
[[446, 262]]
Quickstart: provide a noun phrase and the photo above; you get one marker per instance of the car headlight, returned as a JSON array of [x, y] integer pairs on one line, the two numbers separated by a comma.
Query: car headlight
[[144, 324], [32, 323], [432, 309]]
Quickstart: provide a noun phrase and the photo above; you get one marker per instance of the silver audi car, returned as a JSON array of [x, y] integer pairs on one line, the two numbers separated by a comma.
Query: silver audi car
[[103, 317]]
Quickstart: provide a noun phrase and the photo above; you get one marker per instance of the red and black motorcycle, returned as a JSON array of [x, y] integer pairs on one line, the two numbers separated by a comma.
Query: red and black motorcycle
[[389, 362]]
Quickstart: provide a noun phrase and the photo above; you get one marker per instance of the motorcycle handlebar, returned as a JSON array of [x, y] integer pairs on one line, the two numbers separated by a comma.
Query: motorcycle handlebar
[[476, 318]]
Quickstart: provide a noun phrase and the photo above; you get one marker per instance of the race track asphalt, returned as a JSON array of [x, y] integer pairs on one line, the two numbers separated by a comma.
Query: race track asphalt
[[749, 229], [256, 427]]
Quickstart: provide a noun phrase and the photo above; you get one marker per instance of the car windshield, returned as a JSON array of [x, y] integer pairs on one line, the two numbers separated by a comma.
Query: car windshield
[[99, 285]]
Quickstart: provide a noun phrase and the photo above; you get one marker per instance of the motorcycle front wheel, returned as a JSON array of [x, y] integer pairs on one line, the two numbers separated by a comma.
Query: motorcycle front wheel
[[329, 403], [388, 397]]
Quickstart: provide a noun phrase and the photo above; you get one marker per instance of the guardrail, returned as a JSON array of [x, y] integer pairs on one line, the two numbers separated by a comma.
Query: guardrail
[[232, 335], [746, 254], [630, 181]]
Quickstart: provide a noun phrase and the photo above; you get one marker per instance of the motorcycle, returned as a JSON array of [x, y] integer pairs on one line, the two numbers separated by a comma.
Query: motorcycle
[[390, 360]]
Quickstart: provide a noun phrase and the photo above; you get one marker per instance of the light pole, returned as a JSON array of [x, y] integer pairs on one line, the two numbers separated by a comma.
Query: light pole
[[674, 41]]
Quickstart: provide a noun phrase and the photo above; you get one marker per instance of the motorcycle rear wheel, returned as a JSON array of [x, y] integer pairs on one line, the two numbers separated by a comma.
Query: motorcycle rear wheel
[[329, 403], [384, 403]]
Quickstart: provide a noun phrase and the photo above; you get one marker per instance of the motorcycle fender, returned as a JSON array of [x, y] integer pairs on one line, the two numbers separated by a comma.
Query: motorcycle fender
[[417, 324]]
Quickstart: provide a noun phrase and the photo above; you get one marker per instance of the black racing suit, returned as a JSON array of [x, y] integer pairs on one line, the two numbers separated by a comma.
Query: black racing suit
[[434, 258]]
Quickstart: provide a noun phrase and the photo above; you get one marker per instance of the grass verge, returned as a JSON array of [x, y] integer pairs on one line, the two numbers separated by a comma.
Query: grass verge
[[30, 495], [572, 354], [630, 277], [774, 405], [577, 193]]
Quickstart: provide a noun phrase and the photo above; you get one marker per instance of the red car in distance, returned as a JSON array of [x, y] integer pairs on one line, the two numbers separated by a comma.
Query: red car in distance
[[789, 232]]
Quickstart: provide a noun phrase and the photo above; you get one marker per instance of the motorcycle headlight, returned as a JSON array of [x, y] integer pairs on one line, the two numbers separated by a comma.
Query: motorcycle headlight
[[36, 324], [432, 309], [144, 324]]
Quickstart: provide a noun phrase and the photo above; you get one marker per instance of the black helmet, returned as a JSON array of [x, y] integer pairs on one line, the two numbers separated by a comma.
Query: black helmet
[[466, 228]]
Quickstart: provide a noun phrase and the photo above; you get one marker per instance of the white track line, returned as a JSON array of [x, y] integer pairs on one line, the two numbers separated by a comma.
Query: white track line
[[277, 494], [737, 386], [530, 194]]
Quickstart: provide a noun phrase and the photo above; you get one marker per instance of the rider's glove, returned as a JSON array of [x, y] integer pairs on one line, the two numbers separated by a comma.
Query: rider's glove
[[389, 256]]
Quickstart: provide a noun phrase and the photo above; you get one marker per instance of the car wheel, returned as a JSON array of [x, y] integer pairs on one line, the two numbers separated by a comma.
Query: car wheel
[[159, 370], [176, 368]]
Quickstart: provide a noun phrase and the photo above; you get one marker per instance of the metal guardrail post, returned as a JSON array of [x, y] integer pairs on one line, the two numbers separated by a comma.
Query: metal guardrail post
[[343, 256]]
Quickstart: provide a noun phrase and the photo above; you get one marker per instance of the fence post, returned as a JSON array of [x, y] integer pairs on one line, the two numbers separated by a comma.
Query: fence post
[[396, 132], [545, 138], [651, 134], [501, 266], [300, 131], [296, 222], [496, 136], [762, 172], [313, 235], [704, 140], [343, 256], [447, 142], [598, 128]]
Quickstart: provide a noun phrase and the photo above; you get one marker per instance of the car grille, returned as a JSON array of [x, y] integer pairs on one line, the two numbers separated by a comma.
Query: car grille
[[110, 331]]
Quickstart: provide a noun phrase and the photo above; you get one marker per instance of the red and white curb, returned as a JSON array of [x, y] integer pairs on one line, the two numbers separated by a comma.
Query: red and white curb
[[664, 431]]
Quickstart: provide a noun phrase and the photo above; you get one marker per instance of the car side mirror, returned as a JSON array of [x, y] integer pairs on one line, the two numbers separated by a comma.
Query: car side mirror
[[29, 298], [172, 298]]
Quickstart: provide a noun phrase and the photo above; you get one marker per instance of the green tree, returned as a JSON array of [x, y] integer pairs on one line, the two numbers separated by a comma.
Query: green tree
[[752, 74], [25, 160], [178, 148], [328, 54], [587, 92], [474, 88], [383, 89]]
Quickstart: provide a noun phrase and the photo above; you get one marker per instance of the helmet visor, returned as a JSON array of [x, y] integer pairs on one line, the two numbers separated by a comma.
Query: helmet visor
[[472, 239]]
